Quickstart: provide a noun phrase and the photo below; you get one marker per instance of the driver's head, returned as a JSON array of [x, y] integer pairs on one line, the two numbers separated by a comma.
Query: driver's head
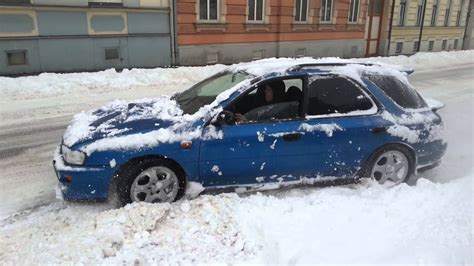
[[268, 93], [273, 90]]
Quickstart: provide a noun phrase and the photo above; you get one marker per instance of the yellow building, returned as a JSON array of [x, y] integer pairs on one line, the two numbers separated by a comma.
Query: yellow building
[[441, 24]]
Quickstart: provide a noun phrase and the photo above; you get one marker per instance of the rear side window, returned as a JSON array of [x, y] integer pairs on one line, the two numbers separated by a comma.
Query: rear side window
[[398, 91], [336, 95]]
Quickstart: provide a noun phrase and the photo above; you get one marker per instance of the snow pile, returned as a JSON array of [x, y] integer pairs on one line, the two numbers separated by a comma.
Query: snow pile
[[365, 223], [51, 84]]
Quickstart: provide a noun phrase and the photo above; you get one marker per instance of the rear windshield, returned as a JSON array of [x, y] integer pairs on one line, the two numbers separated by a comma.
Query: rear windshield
[[398, 91]]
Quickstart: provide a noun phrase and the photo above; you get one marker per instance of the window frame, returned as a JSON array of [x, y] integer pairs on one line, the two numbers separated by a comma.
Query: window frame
[[323, 12], [374, 110], [353, 15], [431, 45], [447, 14], [444, 44], [111, 48], [300, 13], [255, 20], [208, 19], [402, 13], [25, 51], [396, 48], [455, 44], [419, 13], [254, 86], [416, 45], [434, 14]]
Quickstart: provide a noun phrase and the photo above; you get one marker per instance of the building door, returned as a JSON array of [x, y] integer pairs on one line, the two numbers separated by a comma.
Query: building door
[[373, 26]]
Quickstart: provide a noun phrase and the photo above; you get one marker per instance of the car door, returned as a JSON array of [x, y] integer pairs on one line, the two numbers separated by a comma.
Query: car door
[[254, 152], [342, 125]]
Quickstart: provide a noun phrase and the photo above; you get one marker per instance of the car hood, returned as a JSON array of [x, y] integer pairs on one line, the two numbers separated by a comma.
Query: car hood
[[121, 118]]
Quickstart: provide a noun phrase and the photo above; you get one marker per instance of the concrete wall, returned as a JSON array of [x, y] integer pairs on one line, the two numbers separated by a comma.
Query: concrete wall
[[231, 53], [65, 39]]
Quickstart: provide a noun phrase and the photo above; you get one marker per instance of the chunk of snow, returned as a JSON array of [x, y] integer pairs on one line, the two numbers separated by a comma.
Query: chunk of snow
[[326, 128], [260, 136], [193, 189], [273, 144], [112, 163]]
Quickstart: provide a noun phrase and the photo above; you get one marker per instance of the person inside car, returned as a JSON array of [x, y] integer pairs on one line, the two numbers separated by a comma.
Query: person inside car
[[271, 93]]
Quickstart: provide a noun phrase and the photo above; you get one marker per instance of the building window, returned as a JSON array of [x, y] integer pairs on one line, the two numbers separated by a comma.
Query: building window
[[419, 13], [212, 58], [326, 10], [446, 14], [256, 8], [257, 55], [354, 11], [415, 46], [455, 45], [458, 18], [105, 3], [301, 52], [443, 45], [16, 58], [111, 53], [430, 45], [208, 9], [399, 48], [301, 10], [15, 1], [434, 13], [401, 17]]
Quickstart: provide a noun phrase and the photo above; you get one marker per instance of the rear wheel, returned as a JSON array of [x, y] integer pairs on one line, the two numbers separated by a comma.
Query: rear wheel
[[150, 180], [392, 163]]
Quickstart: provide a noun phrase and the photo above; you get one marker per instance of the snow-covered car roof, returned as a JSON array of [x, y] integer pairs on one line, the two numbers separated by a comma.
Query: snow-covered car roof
[[268, 66]]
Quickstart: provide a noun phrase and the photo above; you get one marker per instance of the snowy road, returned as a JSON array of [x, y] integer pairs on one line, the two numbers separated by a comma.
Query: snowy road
[[431, 223]]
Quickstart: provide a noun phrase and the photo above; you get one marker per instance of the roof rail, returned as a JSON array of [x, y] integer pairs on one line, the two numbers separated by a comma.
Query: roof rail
[[308, 65], [408, 71]]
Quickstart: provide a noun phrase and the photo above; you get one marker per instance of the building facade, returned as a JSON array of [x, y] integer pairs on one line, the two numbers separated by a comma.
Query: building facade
[[80, 35], [423, 25], [227, 31]]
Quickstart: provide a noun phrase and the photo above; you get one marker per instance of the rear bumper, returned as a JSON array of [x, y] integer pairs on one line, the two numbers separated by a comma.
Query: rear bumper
[[430, 155], [82, 183]]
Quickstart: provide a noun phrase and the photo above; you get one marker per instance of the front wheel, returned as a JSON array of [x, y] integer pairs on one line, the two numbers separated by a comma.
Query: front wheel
[[393, 163], [150, 180]]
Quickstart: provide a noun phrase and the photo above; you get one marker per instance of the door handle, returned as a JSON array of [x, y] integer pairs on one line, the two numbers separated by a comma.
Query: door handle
[[291, 136], [378, 130]]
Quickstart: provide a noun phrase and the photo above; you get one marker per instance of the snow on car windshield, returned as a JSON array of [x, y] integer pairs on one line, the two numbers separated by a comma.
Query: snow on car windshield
[[205, 92]]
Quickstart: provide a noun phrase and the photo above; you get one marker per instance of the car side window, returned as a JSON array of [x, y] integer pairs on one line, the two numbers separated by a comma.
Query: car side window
[[398, 91], [336, 95], [277, 99]]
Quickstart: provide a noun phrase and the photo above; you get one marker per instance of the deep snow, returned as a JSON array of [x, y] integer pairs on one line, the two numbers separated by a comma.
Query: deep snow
[[366, 223]]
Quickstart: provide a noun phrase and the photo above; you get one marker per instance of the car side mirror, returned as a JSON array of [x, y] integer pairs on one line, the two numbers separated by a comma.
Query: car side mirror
[[224, 118]]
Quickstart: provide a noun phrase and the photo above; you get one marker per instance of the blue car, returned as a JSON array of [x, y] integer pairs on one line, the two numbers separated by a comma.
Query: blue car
[[259, 125]]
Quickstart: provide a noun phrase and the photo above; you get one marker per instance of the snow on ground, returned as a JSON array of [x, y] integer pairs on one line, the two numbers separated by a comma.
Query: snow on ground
[[429, 223]]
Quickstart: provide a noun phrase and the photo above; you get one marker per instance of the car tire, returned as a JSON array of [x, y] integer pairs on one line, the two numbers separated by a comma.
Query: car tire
[[395, 163], [151, 180]]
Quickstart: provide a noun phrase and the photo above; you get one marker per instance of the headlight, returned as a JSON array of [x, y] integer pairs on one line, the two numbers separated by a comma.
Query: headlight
[[72, 156]]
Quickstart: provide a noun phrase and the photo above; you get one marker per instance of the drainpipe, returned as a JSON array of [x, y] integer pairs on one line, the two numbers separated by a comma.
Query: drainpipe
[[422, 24], [173, 32], [390, 27]]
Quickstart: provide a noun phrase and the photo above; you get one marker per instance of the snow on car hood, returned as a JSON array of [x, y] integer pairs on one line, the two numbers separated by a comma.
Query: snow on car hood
[[124, 125]]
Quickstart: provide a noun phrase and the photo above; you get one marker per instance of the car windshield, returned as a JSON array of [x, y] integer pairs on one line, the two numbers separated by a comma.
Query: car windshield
[[206, 91]]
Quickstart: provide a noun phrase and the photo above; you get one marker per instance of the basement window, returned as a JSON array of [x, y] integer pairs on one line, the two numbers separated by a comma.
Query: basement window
[[16, 58], [111, 53]]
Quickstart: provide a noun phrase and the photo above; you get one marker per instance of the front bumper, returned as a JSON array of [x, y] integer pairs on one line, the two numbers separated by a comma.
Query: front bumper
[[82, 183]]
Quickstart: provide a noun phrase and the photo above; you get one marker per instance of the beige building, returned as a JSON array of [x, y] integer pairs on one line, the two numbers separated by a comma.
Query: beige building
[[441, 25]]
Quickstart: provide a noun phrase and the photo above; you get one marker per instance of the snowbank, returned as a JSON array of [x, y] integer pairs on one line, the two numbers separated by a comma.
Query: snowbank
[[366, 223], [51, 84]]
